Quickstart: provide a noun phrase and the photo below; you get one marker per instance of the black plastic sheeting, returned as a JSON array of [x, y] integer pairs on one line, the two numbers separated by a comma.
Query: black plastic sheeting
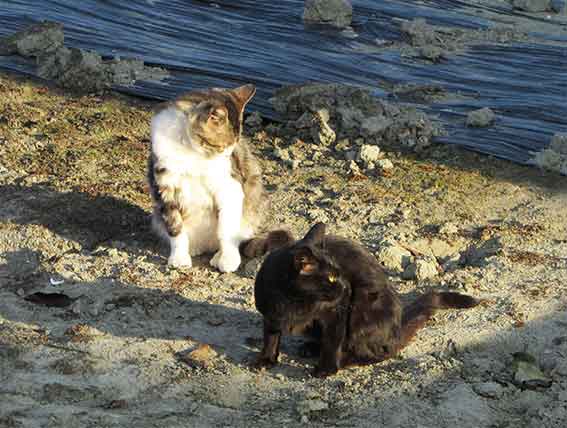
[[225, 43]]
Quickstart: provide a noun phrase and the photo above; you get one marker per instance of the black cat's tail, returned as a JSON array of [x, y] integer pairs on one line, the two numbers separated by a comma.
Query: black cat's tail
[[259, 246], [421, 310]]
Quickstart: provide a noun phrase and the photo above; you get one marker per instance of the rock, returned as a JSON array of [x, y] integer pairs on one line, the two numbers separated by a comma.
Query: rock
[[424, 267], [476, 254], [35, 40], [532, 5], [203, 356], [353, 168], [282, 154], [317, 215], [368, 153], [353, 111], [559, 144], [127, 71], [489, 389], [337, 13], [551, 160], [448, 229], [559, 6], [434, 247], [74, 68], [452, 263], [312, 405], [432, 53], [374, 125], [393, 257], [321, 132], [254, 120], [527, 374], [384, 164], [480, 118], [419, 33]]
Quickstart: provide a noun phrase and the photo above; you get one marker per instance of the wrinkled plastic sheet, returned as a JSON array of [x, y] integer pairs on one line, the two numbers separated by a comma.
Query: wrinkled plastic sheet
[[226, 43]]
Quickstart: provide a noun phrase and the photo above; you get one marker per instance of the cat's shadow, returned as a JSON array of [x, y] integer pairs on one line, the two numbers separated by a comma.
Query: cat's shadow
[[89, 220], [119, 309]]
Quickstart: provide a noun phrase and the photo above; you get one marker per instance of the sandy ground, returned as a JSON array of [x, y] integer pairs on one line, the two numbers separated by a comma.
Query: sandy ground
[[74, 220]]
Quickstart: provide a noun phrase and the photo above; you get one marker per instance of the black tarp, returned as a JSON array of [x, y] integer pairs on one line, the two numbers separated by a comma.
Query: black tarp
[[225, 43]]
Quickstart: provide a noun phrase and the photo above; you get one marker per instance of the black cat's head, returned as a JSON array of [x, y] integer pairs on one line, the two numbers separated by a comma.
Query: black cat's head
[[315, 270]]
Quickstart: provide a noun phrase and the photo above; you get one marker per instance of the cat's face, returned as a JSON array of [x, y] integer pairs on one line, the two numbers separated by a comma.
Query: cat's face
[[215, 117], [316, 272]]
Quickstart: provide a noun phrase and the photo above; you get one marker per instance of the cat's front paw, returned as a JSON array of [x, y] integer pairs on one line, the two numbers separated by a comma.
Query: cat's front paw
[[226, 260], [180, 260]]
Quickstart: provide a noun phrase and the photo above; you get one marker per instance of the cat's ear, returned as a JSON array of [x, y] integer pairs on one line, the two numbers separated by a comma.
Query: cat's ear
[[217, 115], [304, 261], [242, 95], [315, 234]]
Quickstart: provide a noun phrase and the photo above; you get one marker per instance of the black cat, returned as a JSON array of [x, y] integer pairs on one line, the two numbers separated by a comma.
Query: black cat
[[334, 290]]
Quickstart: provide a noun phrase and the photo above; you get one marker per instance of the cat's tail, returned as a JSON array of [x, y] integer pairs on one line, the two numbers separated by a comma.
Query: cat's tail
[[259, 246], [416, 314]]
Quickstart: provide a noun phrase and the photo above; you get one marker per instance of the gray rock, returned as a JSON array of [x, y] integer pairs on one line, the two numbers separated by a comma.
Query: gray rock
[[559, 6], [480, 118], [432, 53], [374, 125], [254, 120], [559, 144], [419, 32], [532, 5], [337, 13], [127, 71], [35, 40], [306, 120], [305, 407], [424, 267], [354, 112], [478, 253], [489, 389], [75, 69], [368, 153], [393, 257]]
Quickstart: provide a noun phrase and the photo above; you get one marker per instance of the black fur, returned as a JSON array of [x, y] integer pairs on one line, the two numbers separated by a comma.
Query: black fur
[[335, 291]]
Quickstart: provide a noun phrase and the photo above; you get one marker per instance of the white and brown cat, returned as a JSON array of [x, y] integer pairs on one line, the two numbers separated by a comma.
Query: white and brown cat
[[205, 183]]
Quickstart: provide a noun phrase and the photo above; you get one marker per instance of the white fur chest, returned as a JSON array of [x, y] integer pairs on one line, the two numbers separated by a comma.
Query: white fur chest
[[199, 177]]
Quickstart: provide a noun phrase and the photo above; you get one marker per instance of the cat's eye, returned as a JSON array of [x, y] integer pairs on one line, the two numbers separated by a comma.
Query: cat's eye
[[332, 278]]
